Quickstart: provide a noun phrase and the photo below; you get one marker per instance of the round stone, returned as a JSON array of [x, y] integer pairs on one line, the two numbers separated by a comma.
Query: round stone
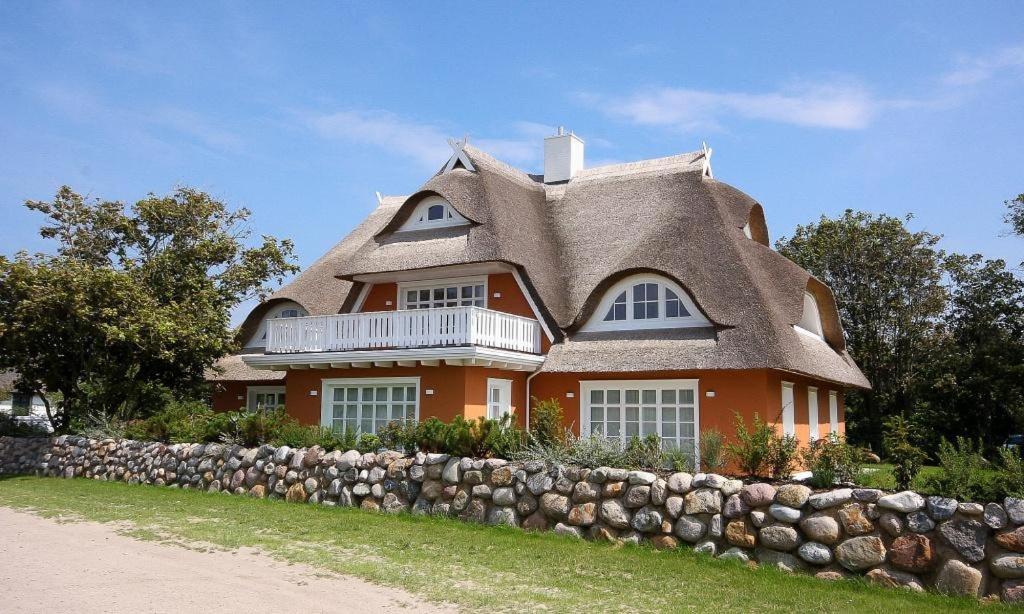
[[689, 529], [815, 553], [784, 513], [912, 552], [941, 508], [920, 522], [861, 552], [647, 520], [703, 501], [793, 495], [1007, 566], [956, 578], [758, 495], [779, 537], [904, 502], [615, 514], [821, 528], [967, 536], [832, 498], [995, 516]]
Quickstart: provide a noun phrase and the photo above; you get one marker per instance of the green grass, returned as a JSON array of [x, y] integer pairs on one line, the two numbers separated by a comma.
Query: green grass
[[880, 476], [476, 567]]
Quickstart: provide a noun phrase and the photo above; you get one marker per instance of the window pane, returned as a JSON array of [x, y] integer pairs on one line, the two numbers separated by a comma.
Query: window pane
[[650, 396], [613, 414], [639, 313], [632, 429], [338, 411], [280, 398], [632, 396], [650, 414], [620, 311], [613, 397], [351, 413], [638, 293], [424, 295], [398, 394], [478, 302], [467, 291], [668, 429], [478, 291], [396, 412], [649, 428], [451, 293], [668, 397], [366, 424], [597, 414], [381, 394], [597, 396], [367, 394], [410, 411], [632, 414], [672, 309], [410, 393], [596, 428], [652, 310], [686, 396], [668, 414], [686, 414], [435, 212], [339, 394], [410, 296], [382, 412], [613, 429]]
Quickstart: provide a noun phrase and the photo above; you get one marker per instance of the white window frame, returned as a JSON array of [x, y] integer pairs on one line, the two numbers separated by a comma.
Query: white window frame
[[810, 318], [432, 284], [504, 403], [813, 430], [450, 217], [833, 411], [789, 409], [587, 386], [596, 322], [327, 396], [252, 391]]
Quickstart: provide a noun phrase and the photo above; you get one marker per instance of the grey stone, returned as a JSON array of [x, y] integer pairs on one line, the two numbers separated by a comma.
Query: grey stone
[[967, 536], [866, 495], [435, 459], [731, 487], [815, 553], [894, 578], [713, 480], [792, 495], [586, 491], [1014, 509], [995, 516], [703, 501], [941, 508], [715, 526], [504, 496], [376, 475], [568, 531], [637, 496], [680, 482], [1007, 566], [735, 554], [904, 502], [452, 474], [641, 477], [920, 522], [707, 547], [891, 524], [735, 507], [860, 553], [500, 515], [783, 513], [377, 490], [689, 529], [780, 560], [779, 537], [970, 509], [539, 483], [527, 504], [758, 518], [957, 578], [647, 520], [832, 498], [659, 492], [361, 489], [482, 491], [614, 513], [674, 506], [554, 505]]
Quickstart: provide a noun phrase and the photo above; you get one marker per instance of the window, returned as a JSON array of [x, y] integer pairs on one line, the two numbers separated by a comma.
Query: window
[[499, 398], [621, 410], [433, 212], [812, 414], [265, 398], [366, 405], [810, 321], [289, 313], [443, 293], [645, 301], [287, 310], [833, 411], [788, 410], [21, 404]]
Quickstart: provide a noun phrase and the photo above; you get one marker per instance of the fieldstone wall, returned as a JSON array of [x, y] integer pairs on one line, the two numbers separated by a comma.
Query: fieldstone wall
[[894, 539]]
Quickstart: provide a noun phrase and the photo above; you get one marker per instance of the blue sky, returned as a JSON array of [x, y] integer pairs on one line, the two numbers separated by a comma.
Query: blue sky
[[301, 112]]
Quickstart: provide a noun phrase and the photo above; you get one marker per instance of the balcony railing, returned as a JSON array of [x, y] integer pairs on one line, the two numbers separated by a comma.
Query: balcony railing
[[414, 328]]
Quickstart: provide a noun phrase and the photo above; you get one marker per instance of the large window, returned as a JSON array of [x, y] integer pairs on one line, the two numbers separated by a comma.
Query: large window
[[624, 409], [645, 301], [499, 397], [810, 319], [265, 398], [366, 405], [443, 293]]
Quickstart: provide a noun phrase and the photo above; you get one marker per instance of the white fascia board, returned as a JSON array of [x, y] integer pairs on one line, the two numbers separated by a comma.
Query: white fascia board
[[441, 272], [533, 305], [517, 359]]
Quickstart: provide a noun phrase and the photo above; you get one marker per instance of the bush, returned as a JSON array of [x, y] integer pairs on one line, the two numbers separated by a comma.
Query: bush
[[965, 474], [1011, 472], [180, 421], [782, 455], [398, 435], [831, 461], [432, 435], [12, 427], [592, 451], [546, 423], [644, 453], [753, 449], [907, 459], [712, 452]]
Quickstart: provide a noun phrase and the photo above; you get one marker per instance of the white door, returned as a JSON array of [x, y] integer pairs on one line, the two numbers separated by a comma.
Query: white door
[[499, 397]]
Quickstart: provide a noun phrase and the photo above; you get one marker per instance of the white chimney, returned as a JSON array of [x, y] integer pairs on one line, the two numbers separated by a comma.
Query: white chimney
[[563, 156]]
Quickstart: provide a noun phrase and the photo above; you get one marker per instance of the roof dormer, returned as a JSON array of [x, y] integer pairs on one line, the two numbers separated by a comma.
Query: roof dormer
[[433, 212]]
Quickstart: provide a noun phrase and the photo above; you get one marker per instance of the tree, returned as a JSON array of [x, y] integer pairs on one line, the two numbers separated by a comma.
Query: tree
[[135, 304], [888, 284], [1015, 214]]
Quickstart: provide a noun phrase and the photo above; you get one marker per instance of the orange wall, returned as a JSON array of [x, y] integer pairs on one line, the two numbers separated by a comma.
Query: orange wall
[[378, 296], [457, 390], [800, 403], [225, 394]]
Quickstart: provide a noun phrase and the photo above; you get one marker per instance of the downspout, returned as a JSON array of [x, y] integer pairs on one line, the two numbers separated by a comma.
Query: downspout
[[528, 378]]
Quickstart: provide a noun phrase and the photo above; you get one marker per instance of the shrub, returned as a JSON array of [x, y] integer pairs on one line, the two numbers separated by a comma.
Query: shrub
[[753, 449], [180, 421], [592, 451], [831, 461], [712, 452], [399, 435], [1011, 472], [367, 442], [431, 435], [964, 473], [12, 427], [644, 453], [782, 455], [546, 425], [501, 438], [907, 459], [678, 460]]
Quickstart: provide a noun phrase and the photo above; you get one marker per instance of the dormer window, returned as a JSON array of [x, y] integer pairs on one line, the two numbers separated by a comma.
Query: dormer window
[[433, 212], [810, 320], [646, 301], [285, 310]]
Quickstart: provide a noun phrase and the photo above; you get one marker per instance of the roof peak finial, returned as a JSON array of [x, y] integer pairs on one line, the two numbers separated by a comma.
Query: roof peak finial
[[706, 163]]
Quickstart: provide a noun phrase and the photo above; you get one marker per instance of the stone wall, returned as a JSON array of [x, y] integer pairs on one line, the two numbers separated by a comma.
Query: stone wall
[[899, 539]]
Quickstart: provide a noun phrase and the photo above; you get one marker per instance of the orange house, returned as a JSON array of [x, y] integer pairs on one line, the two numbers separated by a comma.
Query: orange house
[[644, 297]]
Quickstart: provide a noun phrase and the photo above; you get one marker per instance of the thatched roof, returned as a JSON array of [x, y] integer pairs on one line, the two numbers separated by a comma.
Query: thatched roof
[[572, 241]]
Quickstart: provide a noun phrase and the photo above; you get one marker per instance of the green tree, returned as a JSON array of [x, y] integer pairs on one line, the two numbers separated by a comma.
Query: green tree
[[888, 284], [1015, 214], [135, 304]]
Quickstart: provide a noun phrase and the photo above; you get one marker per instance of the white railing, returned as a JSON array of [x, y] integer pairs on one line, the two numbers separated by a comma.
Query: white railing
[[404, 329]]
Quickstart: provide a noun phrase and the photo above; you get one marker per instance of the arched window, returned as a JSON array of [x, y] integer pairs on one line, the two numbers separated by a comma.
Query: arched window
[[433, 212], [810, 321], [645, 301], [284, 310]]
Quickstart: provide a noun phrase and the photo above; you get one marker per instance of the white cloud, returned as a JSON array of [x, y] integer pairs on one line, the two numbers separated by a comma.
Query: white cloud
[[843, 107], [974, 70]]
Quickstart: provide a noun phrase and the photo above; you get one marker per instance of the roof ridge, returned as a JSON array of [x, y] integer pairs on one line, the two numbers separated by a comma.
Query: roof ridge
[[503, 168], [684, 161]]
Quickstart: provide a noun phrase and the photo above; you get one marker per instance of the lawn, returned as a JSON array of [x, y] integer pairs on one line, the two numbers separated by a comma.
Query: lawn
[[880, 476], [476, 567]]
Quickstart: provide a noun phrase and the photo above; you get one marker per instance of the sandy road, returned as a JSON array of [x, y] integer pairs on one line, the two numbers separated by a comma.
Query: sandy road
[[85, 567]]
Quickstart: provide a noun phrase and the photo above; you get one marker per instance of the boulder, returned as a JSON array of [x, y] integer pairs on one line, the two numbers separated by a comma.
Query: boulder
[[860, 553], [536, 522], [568, 531], [1014, 509], [680, 482], [956, 578], [779, 560], [452, 474], [1012, 540], [637, 496], [295, 493], [784, 513], [735, 507], [995, 516], [792, 495], [735, 554], [503, 495], [779, 537], [920, 522], [757, 495], [912, 552], [892, 578], [674, 506], [703, 501], [664, 542], [815, 553], [866, 495], [941, 508], [1007, 566], [659, 492], [584, 492], [647, 520], [970, 509], [615, 514], [689, 529], [967, 536], [554, 505], [854, 521], [741, 533], [891, 524], [500, 515], [644, 478], [1013, 591], [904, 502], [820, 528], [832, 498], [583, 514]]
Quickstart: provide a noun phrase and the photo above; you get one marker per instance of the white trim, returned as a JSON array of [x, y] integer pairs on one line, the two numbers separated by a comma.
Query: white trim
[[327, 384], [505, 388], [833, 411], [449, 216], [426, 356], [810, 318], [259, 338], [431, 284], [252, 391], [586, 386], [789, 412], [533, 305], [596, 322], [361, 299], [440, 272], [458, 155], [813, 429]]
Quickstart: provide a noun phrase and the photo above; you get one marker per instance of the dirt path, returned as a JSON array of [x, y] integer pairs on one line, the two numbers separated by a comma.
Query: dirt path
[[85, 567]]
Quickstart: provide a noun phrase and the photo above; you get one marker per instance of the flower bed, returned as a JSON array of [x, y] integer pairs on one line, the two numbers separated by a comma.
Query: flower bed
[[896, 539]]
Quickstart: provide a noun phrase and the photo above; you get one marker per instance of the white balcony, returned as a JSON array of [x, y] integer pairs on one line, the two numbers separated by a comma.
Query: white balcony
[[395, 330]]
